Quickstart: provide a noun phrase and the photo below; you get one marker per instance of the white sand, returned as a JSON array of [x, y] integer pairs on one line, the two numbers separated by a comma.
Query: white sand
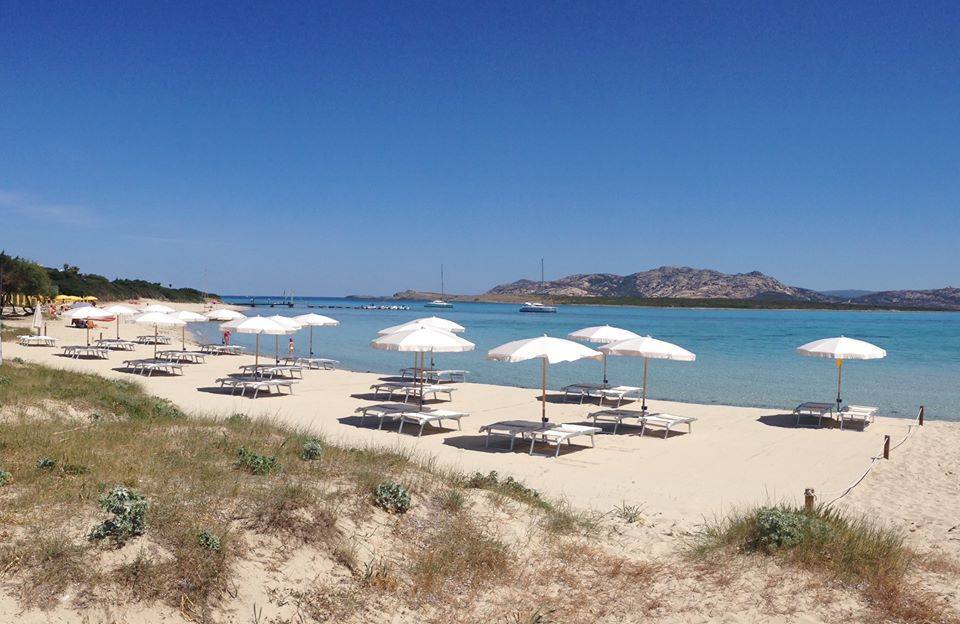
[[735, 456]]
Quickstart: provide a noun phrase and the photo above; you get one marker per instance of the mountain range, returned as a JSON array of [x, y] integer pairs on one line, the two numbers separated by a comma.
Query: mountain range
[[684, 283]]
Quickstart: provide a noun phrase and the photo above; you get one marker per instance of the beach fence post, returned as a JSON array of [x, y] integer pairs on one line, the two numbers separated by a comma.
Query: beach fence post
[[886, 447], [920, 416], [809, 499]]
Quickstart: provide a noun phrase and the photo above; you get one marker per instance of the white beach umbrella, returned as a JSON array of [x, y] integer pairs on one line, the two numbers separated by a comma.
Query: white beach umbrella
[[841, 348], [187, 317], [423, 340], [223, 314], [602, 334], [433, 322], [91, 313], [648, 348], [159, 307], [548, 350], [119, 310], [312, 320], [158, 320], [255, 325]]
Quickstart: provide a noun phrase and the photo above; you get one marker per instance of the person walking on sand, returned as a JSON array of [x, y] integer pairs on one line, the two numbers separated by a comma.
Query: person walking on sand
[[226, 337]]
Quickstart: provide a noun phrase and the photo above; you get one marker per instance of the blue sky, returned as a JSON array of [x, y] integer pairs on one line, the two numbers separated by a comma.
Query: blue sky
[[353, 147]]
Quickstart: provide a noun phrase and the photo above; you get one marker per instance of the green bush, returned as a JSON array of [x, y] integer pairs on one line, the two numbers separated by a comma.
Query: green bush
[[255, 463], [208, 540], [777, 527], [312, 449], [5, 477], [129, 511], [509, 486], [46, 463], [392, 497]]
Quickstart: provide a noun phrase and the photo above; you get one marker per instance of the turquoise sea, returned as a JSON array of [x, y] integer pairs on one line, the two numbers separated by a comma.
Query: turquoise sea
[[744, 357]]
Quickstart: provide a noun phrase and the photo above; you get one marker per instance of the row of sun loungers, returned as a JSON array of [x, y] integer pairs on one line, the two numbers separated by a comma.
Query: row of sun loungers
[[548, 433], [221, 349], [408, 389], [433, 375], [644, 419], [149, 366], [402, 412], [863, 414], [256, 384], [603, 392]]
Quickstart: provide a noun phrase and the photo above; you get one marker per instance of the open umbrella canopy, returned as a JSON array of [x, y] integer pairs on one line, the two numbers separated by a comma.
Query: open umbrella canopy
[[433, 322], [649, 349], [119, 310], [842, 348], [602, 334], [187, 317], [256, 325], [159, 307], [286, 322], [223, 314], [312, 320], [423, 340], [553, 350], [549, 351], [89, 312]]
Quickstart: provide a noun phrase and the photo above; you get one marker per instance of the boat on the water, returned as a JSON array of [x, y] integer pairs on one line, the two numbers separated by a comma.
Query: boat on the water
[[439, 303], [537, 308]]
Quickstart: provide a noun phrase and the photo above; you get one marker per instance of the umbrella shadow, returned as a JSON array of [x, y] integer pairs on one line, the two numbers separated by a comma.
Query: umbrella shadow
[[155, 373], [789, 421], [262, 394], [370, 422], [520, 447]]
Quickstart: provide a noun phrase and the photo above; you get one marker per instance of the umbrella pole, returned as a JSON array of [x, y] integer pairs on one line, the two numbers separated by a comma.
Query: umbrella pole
[[423, 357], [839, 382], [256, 357], [183, 338], [643, 407], [604, 369], [276, 349], [543, 396], [156, 337], [88, 335], [118, 327], [311, 341]]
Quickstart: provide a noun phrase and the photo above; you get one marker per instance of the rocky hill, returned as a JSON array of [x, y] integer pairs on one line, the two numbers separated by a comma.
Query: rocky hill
[[943, 298], [666, 282]]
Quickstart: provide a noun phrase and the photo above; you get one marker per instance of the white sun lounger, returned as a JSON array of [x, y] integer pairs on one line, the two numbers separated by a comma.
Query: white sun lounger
[[382, 412], [255, 384], [615, 416], [116, 343], [511, 429], [183, 356], [435, 375], [312, 362], [621, 394], [37, 341], [816, 410], [583, 391], [151, 339], [534, 431], [864, 414], [147, 367], [667, 421], [222, 349], [270, 371], [409, 389], [78, 351], [561, 433], [429, 417]]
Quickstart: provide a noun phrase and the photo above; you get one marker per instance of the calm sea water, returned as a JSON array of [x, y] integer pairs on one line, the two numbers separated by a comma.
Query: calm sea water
[[744, 357]]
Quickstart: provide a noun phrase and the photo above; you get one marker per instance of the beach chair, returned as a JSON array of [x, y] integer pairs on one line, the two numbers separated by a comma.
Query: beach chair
[[812, 409], [382, 412], [558, 434], [313, 363], [615, 416], [511, 429], [864, 414], [255, 384], [429, 417], [621, 394], [667, 421], [583, 391], [37, 341]]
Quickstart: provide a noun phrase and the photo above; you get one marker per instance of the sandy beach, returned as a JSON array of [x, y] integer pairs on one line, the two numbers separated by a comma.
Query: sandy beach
[[734, 457]]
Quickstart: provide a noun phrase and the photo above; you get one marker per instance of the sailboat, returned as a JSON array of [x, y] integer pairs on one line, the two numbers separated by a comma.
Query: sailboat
[[538, 307], [439, 303]]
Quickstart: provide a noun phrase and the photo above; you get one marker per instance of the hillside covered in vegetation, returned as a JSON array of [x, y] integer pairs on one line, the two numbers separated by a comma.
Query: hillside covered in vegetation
[[70, 281]]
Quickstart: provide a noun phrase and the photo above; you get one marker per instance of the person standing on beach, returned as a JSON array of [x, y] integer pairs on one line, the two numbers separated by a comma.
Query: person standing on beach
[[290, 347], [226, 337]]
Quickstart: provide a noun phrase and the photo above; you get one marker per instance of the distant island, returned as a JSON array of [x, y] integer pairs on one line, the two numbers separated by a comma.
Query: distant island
[[688, 287]]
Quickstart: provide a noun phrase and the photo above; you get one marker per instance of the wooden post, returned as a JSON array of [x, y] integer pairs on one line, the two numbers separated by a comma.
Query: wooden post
[[920, 416], [886, 447], [809, 499]]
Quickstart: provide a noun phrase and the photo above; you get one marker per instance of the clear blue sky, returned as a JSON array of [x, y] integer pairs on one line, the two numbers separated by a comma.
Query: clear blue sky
[[352, 147]]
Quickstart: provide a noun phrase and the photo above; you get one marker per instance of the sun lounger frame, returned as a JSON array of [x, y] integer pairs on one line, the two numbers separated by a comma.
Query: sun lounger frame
[[148, 366], [256, 384], [76, 351]]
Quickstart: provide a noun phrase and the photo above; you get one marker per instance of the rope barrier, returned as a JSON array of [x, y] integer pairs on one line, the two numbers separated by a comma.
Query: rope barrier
[[873, 462]]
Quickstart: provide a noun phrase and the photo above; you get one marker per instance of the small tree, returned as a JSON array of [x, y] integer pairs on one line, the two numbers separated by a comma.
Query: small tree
[[22, 277]]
